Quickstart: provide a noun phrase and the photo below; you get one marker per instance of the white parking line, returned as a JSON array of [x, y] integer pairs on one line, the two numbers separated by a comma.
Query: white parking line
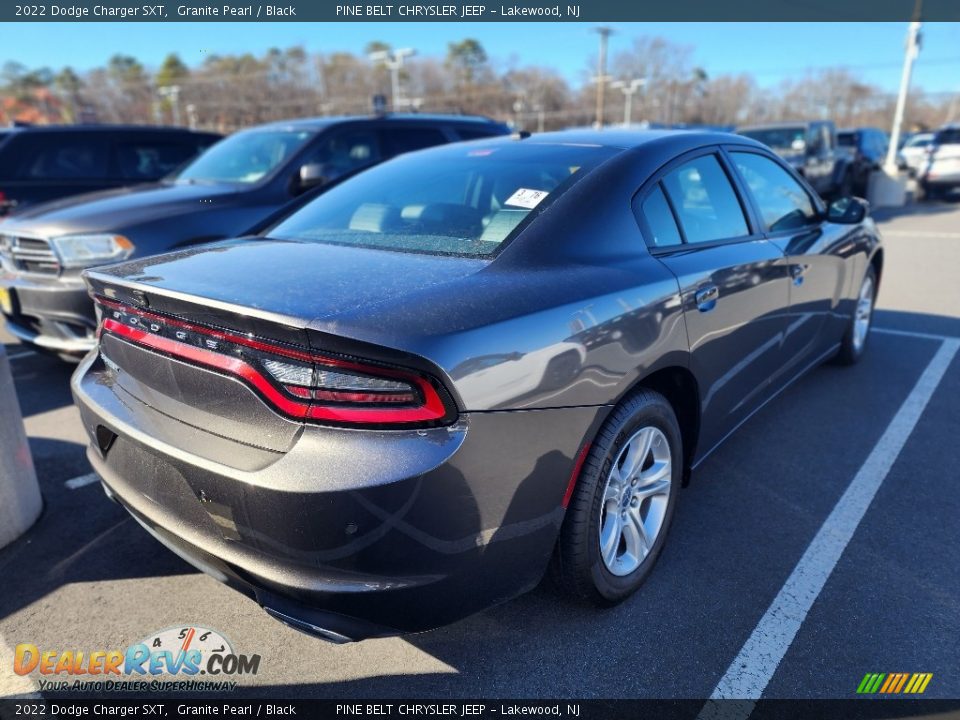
[[11, 684], [79, 482], [22, 354], [913, 334], [751, 671]]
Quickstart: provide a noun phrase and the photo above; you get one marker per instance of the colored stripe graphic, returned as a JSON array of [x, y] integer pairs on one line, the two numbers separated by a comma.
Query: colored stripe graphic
[[894, 683]]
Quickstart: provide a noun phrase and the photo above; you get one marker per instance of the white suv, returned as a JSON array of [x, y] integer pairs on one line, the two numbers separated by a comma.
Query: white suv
[[942, 172]]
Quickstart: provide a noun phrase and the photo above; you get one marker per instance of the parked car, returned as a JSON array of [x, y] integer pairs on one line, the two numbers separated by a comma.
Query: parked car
[[942, 171], [42, 163], [811, 148], [238, 183], [912, 156], [867, 150], [298, 414]]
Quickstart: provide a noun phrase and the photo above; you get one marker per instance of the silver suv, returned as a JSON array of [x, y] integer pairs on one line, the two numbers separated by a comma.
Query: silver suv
[[942, 171]]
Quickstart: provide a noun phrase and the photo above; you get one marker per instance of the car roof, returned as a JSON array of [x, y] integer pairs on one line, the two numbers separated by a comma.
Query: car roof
[[319, 123], [103, 128], [627, 139]]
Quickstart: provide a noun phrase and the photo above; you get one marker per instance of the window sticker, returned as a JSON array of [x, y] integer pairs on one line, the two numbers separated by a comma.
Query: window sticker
[[526, 198]]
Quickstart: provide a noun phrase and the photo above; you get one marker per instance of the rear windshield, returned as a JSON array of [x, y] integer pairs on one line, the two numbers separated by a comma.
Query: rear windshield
[[779, 138], [458, 200], [246, 157], [847, 139]]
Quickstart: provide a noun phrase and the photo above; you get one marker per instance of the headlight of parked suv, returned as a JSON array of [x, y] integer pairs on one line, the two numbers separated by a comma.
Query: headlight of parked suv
[[91, 249]]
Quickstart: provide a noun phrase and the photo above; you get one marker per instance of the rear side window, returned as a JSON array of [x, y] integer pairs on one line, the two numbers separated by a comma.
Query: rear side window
[[783, 203], [400, 140], [705, 202], [64, 157], [948, 137], [663, 228], [151, 159]]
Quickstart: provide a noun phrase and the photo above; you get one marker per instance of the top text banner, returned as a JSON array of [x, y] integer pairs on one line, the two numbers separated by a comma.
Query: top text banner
[[593, 11]]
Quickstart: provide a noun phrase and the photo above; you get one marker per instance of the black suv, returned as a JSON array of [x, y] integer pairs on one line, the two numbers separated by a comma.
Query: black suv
[[44, 163], [238, 184]]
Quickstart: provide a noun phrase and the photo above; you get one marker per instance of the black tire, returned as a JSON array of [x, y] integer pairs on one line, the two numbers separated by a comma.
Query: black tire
[[850, 352], [577, 567]]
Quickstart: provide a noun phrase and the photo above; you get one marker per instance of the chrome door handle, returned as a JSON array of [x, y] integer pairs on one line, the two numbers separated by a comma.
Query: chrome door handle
[[707, 298]]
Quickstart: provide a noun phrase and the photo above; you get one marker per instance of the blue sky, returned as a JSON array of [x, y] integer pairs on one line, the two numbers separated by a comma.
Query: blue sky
[[772, 52]]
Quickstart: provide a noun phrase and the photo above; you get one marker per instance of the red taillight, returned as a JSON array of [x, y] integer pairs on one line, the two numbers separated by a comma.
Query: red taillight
[[296, 382]]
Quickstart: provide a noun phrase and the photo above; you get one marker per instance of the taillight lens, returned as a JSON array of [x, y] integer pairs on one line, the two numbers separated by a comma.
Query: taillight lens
[[296, 382]]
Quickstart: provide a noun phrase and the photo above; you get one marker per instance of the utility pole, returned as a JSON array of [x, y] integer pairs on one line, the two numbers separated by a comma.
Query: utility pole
[[628, 89], [393, 61], [913, 49], [601, 78]]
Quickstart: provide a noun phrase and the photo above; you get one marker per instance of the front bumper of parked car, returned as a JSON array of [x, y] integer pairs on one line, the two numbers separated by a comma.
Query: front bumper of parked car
[[51, 312], [349, 533]]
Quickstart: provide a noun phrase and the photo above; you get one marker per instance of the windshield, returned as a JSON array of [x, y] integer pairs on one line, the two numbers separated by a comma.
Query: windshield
[[919, 141], [245, 157], [460, 200], [787, 137]]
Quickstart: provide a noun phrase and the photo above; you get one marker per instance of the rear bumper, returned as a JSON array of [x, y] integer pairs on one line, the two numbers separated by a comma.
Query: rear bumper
[[52, 313], [940, 178], [349, 533]]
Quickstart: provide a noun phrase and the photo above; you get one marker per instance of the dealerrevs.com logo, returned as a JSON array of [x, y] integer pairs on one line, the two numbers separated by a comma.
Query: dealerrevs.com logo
[[185, 658], [894, 683]]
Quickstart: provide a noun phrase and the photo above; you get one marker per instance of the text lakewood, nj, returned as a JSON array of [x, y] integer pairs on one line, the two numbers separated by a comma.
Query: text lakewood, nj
[[451, 11]]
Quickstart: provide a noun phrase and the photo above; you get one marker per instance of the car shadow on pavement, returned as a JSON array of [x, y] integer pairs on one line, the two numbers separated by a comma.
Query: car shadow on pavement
[[915, 322], [80, 535], [42, 381]]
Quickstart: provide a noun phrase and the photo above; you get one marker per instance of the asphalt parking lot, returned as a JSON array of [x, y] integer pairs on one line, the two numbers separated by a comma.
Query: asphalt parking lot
[[87, 576]]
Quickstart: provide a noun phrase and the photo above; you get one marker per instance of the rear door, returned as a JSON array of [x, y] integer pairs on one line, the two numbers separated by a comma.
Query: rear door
[[733, 283], [816, 253]]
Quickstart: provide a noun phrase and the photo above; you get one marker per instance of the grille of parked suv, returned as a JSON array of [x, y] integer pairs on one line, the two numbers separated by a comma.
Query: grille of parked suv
[[29, 255]]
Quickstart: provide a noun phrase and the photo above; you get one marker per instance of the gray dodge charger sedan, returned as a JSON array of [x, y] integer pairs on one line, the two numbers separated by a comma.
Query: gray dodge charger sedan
[[406, 400]]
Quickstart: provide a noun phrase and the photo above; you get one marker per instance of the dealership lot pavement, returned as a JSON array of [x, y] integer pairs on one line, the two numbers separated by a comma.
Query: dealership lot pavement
[[886, 598]]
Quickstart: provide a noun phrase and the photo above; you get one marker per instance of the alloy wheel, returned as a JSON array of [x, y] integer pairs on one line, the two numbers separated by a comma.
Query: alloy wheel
[[861, 319], [635, 500]]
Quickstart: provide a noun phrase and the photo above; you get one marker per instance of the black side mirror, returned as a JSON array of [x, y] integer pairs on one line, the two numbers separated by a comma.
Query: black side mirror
[[313, 175], [847, 210]]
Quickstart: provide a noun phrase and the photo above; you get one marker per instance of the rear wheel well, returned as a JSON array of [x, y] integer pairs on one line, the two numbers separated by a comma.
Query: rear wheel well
[[679, 387]]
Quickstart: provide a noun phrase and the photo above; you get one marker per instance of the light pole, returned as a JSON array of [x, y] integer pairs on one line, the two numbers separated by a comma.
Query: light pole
[[913, 49], [393, 61], [172, 93], [601, 77], [628, 89]]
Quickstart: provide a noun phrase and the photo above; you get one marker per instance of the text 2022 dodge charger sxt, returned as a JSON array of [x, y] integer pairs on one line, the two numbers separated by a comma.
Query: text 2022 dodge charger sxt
[[414, 394]]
